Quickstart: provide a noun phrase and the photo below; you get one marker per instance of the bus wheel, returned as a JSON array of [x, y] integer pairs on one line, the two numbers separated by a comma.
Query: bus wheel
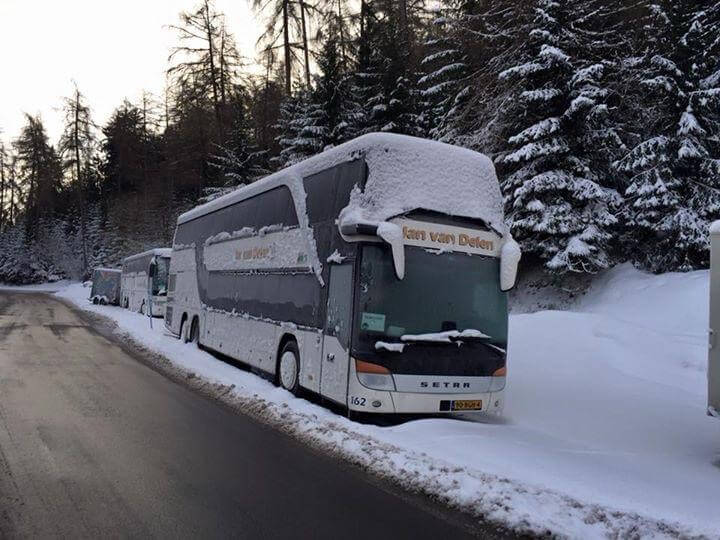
[[195, 332], [126, 304], [183, 329], [142, 308], [289, 367]]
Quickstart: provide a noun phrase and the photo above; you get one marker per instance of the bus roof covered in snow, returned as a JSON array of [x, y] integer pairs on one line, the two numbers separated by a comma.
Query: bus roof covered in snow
[[404, 173], [160, 252]]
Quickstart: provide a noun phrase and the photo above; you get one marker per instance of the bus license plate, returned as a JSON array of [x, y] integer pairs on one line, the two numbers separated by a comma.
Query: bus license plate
[[467, 405]]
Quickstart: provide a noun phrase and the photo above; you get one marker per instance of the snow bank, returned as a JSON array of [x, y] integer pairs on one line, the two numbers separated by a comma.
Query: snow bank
[[605, 432]]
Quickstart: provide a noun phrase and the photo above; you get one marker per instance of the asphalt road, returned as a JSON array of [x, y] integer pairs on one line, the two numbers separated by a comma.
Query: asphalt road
[[93, 443]]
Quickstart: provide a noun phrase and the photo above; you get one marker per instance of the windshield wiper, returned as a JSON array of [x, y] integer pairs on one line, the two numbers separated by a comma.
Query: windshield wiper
[[452, 337], [448, 336]]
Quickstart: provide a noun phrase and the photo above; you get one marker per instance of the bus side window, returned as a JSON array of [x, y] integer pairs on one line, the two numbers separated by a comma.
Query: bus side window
[[340, 303]]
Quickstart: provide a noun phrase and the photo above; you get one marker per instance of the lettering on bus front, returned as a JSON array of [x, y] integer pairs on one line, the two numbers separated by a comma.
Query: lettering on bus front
[[462, 239], [436, 384]]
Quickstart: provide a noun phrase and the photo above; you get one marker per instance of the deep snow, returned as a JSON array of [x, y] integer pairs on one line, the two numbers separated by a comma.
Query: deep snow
[[604, 432]]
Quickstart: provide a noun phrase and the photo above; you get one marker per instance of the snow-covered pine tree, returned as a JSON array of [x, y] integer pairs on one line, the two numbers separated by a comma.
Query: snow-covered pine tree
[[331, 89], [238, 159], [471, 42], [444, 83], [296, 113], [557, 205], [382, 96], [673, 175]]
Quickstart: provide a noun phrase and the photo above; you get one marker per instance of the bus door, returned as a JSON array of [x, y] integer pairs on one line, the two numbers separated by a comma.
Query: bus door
[[336, 337]]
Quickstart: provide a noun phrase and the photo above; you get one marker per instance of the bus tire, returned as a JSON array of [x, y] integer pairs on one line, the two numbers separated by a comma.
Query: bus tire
[[183, 328], [194, 336], [288, 368], [126, 304], [142, 308]]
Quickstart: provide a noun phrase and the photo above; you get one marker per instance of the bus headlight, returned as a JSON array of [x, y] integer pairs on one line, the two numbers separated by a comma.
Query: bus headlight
[[374, 376]]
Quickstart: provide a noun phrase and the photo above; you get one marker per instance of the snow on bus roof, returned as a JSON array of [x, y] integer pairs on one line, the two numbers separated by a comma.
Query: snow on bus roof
[[404, 173], [99, 269], [162, 252]]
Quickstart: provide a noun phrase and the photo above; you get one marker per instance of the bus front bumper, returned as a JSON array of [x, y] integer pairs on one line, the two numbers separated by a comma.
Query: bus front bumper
[[364, 399]]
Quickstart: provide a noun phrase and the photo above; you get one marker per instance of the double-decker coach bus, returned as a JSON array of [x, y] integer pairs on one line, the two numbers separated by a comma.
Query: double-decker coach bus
[[144, 279], [371, 274]]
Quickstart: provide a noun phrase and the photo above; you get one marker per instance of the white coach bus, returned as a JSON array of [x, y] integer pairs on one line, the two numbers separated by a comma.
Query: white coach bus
[[713, 405], [143, 272], [371, 274]]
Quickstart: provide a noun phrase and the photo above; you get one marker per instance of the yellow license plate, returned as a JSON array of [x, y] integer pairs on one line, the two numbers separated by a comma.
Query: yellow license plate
[[467, 405]]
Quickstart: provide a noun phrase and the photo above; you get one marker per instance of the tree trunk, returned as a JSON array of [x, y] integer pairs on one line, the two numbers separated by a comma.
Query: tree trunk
[[286, 47], [341, 28], [223, 68], [213, 67], [305, 44], [363, 31], [402, 16], [81, 184]]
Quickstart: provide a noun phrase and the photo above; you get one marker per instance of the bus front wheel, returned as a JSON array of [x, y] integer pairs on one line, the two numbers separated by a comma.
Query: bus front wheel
[[183, 329], [289, 368], [194, 335]]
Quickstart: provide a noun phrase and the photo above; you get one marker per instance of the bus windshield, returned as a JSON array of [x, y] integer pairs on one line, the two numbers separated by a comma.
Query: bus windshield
[[161, 276], [440, 293]]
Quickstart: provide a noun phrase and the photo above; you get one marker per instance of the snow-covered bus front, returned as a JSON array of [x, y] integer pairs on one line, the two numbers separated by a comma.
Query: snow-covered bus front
[[372, 274], [144, 281]]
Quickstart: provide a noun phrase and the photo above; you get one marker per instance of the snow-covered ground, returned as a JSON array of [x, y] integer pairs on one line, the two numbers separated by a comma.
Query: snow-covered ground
[[604, 432]]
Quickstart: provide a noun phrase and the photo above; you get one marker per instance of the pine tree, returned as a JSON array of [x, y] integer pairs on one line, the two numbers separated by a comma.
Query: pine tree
[[39, 177], [238, 159], [673, 173], [445, 87], [558, 207]]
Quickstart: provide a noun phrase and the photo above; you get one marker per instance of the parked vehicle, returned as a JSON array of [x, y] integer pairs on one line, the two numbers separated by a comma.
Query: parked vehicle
[[105, 286], [372, 274], [144, 281], [713, 404]]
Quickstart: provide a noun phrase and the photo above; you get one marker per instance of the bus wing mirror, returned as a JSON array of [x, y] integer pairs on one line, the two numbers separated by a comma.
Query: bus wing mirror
[[153, 268], [389, 233], [509, 259], [392, 234]]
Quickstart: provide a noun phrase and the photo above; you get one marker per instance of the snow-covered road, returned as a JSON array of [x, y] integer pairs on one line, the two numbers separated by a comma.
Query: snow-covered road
[[604, 431]]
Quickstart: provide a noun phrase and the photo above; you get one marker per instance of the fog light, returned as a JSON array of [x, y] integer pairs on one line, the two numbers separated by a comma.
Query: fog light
[[376, 403]]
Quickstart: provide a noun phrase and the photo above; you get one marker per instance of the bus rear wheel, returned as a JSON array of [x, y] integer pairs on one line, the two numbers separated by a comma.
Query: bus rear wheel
[[289, 368]]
